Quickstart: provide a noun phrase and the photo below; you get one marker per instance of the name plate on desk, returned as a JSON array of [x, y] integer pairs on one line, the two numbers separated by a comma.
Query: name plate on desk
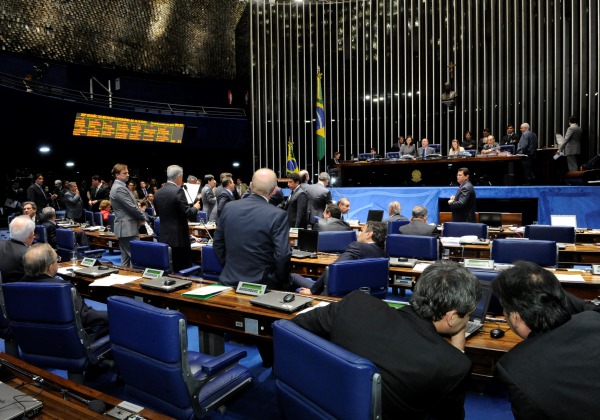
[[595, 268], [477, 263], [152, 273], [252, 289], [88, 262]]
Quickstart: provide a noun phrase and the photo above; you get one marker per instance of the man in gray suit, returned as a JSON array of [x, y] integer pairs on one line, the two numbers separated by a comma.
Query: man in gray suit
[[571, 147], [128, 215], [209, 200], [331, 220], [418, 224], [318, 197]]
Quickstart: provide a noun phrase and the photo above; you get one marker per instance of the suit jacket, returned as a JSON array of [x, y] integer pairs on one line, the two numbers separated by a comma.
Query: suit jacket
[[209, 201], [428, 151], [332, 225], [463, 206], [38, 196], [173, 209], [74, 206], [127, 213], [572, 144], [252, 243], [528, 144], [11, 262], [554, 375], [225, 197], [297, 208], [100, 194], [51, 233], [354, 251], [318, 198], [394, 218], [430, 377], [420, 228], [512, 139]]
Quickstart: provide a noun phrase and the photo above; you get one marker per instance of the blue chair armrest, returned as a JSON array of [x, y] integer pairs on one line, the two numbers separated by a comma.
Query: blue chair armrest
[[224, 360], [190, 271]]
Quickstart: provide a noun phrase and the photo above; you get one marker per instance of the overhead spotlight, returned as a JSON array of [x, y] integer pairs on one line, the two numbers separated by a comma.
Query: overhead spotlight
[[44, 149], [70, 164]]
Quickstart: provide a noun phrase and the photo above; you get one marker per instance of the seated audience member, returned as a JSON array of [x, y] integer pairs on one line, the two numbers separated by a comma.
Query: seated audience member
[[146, 227], [132, 186], [30, 209], [553, 373], [483, 140], [491, 147], [408, 148], [394, 209], [370, 243], [40, 263], [344, 205], [425, 150], [105, 209], [396, 146], [424, 375], [331, 220], [49, 222], [418, 224], [456, 149], [469, 142], [21, 231]]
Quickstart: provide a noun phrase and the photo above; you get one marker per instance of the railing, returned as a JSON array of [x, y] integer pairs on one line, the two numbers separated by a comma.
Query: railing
[[114, 102]]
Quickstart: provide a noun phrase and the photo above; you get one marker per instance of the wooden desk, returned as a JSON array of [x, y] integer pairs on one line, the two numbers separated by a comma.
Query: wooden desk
[[59, 405], [508, 219], [485, 351], [588, 237], [206, 231], [109, 240]]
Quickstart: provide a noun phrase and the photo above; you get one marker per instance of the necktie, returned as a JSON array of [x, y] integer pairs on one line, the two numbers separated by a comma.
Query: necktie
[[423, 154]]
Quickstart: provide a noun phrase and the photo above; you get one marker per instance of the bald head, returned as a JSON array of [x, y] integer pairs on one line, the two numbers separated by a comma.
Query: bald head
[[264, 182]]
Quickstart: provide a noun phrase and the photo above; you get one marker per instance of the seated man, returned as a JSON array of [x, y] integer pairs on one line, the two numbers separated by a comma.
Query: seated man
[[22, 234], [425, 150], [331, 220], [423, 373], [394, 209], [370, 243], [491, 147], [40, 263], [418, 224], [49, 222], [553, 373]]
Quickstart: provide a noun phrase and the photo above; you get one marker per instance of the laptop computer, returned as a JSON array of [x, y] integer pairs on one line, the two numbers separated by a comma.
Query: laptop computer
[[375, 216], [477, 318], [308, 243], [165, 284], [274, 300], [96, 271], [563, 220], [16, 404], [403, 262]]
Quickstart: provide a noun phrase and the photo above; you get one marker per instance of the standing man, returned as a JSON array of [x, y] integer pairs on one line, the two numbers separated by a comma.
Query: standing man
[[252, 237], [128, 215], [98, 192], [318, 197], [174, 211], [571, 147], [209, 201], [74, 203], [463, 203], [553, 372], [226, 195], [297, 203], [528, 144], [37, 194], [511, 137]]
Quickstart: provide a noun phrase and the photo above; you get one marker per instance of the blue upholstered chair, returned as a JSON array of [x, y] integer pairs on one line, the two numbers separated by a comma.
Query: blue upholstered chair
[[98, 220], [211, 268], [111, 222], [41, 235], [66, 242], [49, 330], [458, 229], [150, 211], [489, 275], [147, 254], [507, 251], [564, 234], [157, 228], [472, 152], [202, 215], [508, 148], [344, 277], [10, 344], [61, 214], [335, 241], [392, 155], [366, 156], [394, 226], [318, 379], [161, 373], [437, 147], [89, 217], [413, 246]]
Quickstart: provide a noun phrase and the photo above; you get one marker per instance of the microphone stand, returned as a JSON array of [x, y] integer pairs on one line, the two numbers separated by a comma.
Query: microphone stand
[[187, 193], [207, 231]]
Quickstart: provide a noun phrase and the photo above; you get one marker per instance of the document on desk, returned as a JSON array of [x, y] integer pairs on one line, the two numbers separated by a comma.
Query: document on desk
[[450, 241], [206, 292], [114, 279], [570, 278], [419, 267]]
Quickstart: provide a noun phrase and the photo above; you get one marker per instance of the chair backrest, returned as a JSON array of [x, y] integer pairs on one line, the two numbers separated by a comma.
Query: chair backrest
[[211, 268], [565, 234], [98, 220], [508, 148], [89, 216], [458, 229], [392, 155], [66, 242], [10, 345], [147, 254], [111, 222], [507, 251], [157, 228], [318, 379], [472, 152], [413, 246], [150, 211], [365, 156], [61, 214], [436, 147], [335, 241], [346, 276], [202, 215], [157, 372], [47, 327], [41, 235], [394, 226]]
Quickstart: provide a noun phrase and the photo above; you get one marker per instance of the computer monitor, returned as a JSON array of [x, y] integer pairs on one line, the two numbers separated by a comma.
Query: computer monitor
[[493, 220], [375, 216], [563, 220]]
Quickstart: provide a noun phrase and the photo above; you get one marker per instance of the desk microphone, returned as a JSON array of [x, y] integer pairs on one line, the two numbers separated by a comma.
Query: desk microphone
[[207, 231], [187, 193]]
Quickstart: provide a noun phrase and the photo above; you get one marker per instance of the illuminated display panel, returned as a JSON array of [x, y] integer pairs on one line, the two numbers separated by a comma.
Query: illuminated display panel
[[102, 126]]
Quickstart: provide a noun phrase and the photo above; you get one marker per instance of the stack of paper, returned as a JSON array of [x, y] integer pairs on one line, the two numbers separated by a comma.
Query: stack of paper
[[206, 292]]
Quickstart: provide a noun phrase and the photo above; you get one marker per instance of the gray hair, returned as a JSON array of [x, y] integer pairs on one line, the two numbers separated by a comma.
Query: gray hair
[[419, 212], [48, 213], [324, 176], [526, 125], [37, 258], [21, 228], [394, 207], [174, 172]]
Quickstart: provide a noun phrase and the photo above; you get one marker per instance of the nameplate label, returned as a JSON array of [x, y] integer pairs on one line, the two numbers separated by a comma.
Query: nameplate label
[[152, 273], [477, 263], [252, 289], [88, 262], [595, 268]]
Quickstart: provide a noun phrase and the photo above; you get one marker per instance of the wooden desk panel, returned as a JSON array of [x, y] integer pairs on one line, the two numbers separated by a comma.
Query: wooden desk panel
[[508, 219], [109, 241]]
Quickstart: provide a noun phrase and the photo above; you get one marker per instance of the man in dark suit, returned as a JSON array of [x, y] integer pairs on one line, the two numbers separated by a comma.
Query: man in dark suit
[[97, 193], [571, 147], [331, 220], [252, 237], [463, 203], [553, 373], [418, 224], [296, 204], [369, 243], [394, 209], [37, 194], [318, 197], [174, 211], [226, 196], [511, 137], [425, 150], [423, 374], [21, 237], [528, 144]]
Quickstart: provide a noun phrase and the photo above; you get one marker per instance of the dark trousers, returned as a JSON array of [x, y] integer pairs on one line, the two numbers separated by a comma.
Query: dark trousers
[[182, 257]]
